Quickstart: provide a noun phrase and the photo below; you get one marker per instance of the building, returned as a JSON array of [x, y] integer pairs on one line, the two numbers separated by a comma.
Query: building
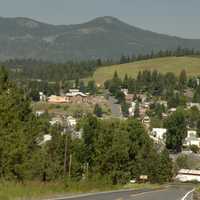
[[147, 122], [71, 122], [125, 91], [159, 133], [164, 115], [191, 139], [46, 138], [56, 99], [56, 121], [38, 113], [132, 109], [162, 102], [43, 97], [190, 105], [75, 96], [171, 110], [185, 175]]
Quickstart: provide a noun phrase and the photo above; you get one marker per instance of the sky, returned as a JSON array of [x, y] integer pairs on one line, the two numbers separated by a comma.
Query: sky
[[174, 17]]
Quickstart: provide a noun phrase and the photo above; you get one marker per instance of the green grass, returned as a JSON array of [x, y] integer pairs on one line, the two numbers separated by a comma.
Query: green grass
[[164, 65], [38, 190], [29, 190]]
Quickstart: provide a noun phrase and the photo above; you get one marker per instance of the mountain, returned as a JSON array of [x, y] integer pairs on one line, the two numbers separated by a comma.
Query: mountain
[[104, 37]]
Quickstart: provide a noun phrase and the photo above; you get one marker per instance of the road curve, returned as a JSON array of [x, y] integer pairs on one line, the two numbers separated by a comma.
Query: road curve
[[169, 193]]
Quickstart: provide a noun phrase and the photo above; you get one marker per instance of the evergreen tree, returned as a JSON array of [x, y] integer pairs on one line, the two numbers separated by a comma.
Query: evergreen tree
[[82, 87], [137, 109], [91, 87], [125, 82], [183, 80], [176, 130], [98, 110], [196, 96]]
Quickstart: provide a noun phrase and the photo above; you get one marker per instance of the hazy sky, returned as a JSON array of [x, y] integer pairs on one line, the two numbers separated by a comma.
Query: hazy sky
[[175, 17]]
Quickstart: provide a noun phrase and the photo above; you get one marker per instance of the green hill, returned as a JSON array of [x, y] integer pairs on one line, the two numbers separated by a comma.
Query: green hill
[[163, 65]]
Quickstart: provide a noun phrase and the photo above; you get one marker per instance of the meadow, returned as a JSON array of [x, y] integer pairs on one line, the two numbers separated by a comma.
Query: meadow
[[163, 65]]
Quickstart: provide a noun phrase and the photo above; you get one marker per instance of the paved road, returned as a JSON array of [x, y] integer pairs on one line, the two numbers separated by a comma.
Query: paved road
[[170, 193], [114, 107]]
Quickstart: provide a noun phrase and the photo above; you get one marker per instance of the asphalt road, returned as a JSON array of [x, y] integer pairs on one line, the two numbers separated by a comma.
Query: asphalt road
[[114, 107], [170, 193]]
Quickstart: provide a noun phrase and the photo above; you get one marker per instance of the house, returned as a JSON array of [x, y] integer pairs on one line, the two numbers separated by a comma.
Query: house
[[56, 121], [159, 133], [38, 113], [132, 109], [42, 96], [71, 122], [162, 102], [56, 99], [191, 139], [125, 91], [146, 121], [190, 105], [75, 96], [171, 110], [164, 115], [185, 175], [46, 138]]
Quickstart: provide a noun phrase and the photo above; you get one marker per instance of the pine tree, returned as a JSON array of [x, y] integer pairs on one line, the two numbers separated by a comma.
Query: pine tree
[[98, 110]]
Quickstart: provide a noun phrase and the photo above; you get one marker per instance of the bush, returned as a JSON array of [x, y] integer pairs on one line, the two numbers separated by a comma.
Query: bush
[[194, 148]]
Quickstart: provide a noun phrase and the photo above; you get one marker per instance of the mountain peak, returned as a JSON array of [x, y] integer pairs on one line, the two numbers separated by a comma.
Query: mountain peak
[[106, 20]]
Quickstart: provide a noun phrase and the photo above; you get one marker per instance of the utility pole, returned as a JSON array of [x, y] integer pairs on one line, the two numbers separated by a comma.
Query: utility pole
[[87, 170], [65, 156], [70, 165]]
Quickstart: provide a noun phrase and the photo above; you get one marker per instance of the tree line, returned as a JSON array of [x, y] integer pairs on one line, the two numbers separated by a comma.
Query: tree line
[[71, 70]]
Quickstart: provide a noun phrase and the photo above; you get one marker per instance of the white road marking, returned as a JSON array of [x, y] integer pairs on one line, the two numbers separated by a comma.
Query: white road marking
[[188, 193], [140, 194], [90, 194]]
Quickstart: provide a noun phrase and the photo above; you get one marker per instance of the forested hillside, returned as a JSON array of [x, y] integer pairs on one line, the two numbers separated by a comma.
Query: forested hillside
[[104, 37]]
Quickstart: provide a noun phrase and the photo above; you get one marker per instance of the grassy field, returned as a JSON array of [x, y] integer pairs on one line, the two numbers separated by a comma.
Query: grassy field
[[168, 64]]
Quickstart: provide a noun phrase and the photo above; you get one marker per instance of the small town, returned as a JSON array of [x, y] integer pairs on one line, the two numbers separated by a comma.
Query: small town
[[99, 100]]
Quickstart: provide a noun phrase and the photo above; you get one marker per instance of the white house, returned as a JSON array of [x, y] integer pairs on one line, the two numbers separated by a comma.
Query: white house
[[191, 133], [191, 139], [159, 133], [56, 121], [146, 120], [71, 122], [46, 138], [162, 102], [190, 105], [132, 109], [171, 110], [125, 91], [38, 113], [185, 175], [43, 97]]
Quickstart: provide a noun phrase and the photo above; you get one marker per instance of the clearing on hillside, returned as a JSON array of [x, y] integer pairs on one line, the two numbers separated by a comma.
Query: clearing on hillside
[[163, 65]]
